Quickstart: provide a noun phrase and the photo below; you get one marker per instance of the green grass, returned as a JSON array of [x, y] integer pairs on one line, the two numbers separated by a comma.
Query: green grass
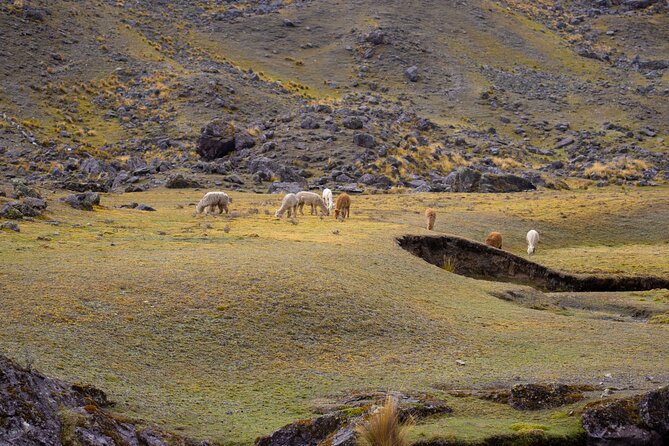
[[229, 335]]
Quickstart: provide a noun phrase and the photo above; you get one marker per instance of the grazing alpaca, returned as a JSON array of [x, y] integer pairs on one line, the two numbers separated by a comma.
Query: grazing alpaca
[[532, 241], [494, 239], [289, 204], [327, 197], [213, 199], [312, 199], [430, 217], [343, 206]]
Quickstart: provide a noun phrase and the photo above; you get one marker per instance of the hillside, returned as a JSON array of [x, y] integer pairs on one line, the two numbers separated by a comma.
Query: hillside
[[545, 92]]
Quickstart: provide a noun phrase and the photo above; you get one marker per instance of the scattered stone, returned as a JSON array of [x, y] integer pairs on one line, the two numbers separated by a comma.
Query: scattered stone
[[10, 225], [412, 73], [16, 211], [309, 123], [376, 37], [22, 190], [364, 140], [353, 122], [367, 179], [565, 142], [145, 207], [178, 181], [84, 201]]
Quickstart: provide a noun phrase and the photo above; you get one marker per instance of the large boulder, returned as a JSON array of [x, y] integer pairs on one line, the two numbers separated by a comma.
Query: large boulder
[[216, 140], [654, 410], [543, 396], [178, 181], [463, 180], [21, 190], [639, 420], [17, 211], [264, 169], [364, 140], [84, 201], [504, 183]]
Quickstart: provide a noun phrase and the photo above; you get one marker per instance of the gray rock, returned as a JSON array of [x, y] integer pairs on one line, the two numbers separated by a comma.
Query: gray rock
[[463, 180], [343, 178], [353, 122], [309, 123], [367, 179], [178, 181], [654, 410], [565, 142], [364, 140], [412, 73], [84, 201], [145, 207], [504, 183], [11, 226], [37, 203], [23, 190]]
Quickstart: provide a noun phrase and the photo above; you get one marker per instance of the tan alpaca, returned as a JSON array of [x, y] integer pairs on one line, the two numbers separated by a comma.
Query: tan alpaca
[[312, 199], [212, 200], [288, 204], [343, 206], [494, 239], [430, 217]]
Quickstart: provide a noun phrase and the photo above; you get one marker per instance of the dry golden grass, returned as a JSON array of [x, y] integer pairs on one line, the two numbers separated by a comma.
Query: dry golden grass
[[384, 428]]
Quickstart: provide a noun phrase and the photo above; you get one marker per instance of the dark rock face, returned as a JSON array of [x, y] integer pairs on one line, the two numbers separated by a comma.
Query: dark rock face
[[618, 422], [38, 410], [504, 183], [304, 432], [654, 410], [264, 169], [543, 396], [216, 140], [84, 201], [84, 186], [463, 180], [178, 181]]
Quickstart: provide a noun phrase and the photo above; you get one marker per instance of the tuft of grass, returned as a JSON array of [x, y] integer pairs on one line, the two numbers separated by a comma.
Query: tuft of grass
[[384, 427], [448, 264], [659, 319]]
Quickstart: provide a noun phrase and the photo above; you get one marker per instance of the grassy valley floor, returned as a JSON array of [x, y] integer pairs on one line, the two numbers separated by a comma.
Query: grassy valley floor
[[228, 327]]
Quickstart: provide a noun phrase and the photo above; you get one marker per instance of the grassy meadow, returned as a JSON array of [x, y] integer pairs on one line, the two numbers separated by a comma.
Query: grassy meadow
[[228, 327]]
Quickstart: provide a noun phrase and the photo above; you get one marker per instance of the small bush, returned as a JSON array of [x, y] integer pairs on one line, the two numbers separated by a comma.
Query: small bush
[[384, 427], [448, 264]]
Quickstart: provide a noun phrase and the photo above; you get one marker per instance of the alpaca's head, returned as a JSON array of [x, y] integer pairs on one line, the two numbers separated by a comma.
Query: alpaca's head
[[336, 214], [229, 199], [199, 208], [530, 249]]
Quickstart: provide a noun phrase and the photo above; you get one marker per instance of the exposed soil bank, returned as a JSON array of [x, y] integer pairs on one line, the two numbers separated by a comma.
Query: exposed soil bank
[[480, 261]]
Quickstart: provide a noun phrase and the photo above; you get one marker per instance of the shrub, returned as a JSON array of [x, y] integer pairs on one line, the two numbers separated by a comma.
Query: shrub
[[384, 427]]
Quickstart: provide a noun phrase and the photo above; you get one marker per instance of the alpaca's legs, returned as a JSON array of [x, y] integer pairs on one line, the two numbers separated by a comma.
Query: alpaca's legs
[[301, 206]]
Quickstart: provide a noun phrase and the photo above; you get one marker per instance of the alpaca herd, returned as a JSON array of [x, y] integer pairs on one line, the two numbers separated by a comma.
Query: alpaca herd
[[494, 239], [291, 203]]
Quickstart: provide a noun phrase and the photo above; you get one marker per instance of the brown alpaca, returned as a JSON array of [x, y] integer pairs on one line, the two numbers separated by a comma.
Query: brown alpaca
[[343, 206], [430, 217], [494, 240]]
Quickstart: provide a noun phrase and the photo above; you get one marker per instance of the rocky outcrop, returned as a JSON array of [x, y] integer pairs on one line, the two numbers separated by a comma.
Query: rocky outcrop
[[179, 181], [219, 138], [84, 201], [543, 396], [38, 410], [491, 183], [336, 427], [638, 421]]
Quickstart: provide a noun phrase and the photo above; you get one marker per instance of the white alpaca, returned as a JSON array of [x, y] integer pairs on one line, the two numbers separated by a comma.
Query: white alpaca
[[213, 199], [289, 204], [532, 241], [327, 197], [312, 199]]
